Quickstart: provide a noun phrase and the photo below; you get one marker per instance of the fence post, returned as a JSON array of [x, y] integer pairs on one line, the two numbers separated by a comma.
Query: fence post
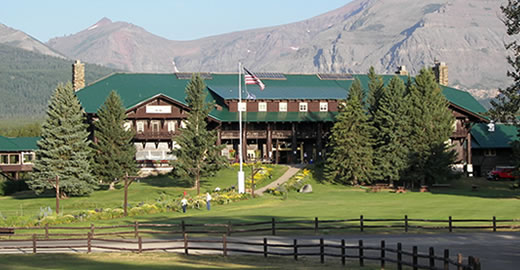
[[89, 242], [476, 266], [446, 259], [361, 223], [185, 243], [343, 251], [432, 258], [322, 251], [47, 231], [450, 224], [471, 262], [494, 224], [265, 247], [136, 229], [414, 254], [399, 256], [406, 223], [224, 245], [383, 254], [92, 229], [295, 243], [273, 226], [139, 245], [361, 259], [34, 243], [316, 222], [229, 228], [459, 261], [183, 227]]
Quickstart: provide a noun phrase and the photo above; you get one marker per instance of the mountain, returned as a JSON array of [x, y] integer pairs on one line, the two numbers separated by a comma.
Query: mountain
[[467, 35], [19, 39], [27, 80]]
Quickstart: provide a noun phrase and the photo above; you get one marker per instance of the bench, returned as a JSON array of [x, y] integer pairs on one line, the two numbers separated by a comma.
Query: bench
[[400, 190], [6, 231]]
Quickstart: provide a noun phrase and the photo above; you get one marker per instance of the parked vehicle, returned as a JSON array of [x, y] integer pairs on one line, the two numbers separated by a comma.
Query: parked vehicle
[[502, 172]]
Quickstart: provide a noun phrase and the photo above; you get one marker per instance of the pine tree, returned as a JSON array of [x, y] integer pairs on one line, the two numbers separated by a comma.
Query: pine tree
[[350, 160], [376, 88], [197, 154], [64, 148], [390, 123], [506, 106], [114, 151], [431, 124]]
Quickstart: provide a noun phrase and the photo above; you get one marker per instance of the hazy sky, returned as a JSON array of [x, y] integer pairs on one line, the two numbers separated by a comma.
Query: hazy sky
[[172, 19]]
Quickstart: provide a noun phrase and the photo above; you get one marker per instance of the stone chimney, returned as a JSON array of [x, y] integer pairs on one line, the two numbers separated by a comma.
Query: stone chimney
[[401, 70], [78, 75], [441, 72]]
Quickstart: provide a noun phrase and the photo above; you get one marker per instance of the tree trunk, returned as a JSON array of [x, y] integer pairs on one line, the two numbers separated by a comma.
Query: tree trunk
[[197, 183]]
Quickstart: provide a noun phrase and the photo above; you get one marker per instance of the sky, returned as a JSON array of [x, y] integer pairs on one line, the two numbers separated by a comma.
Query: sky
[[172, 19]]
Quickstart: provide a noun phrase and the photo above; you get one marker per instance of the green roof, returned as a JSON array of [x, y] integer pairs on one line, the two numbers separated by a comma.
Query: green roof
[[137, 88], [18, 144], [500, 138]]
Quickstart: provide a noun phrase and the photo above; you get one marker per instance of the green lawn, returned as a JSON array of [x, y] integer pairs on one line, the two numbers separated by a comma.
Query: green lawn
[[146, 190], [161, 261], [328, 201]]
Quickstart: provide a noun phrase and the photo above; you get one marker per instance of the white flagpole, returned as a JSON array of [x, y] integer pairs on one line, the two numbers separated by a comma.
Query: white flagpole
[[241, 178]]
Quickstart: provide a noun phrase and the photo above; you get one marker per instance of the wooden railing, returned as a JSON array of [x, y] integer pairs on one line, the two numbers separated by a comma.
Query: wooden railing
[[297, 248], [272, 227]]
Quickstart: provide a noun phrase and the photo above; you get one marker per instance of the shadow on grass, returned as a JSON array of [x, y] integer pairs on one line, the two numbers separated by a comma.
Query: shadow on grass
[[479, 187], [166, 181]]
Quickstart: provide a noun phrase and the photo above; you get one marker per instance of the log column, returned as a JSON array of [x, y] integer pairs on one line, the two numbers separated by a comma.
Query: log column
[[319, 142], [269, 145], [293, 145]]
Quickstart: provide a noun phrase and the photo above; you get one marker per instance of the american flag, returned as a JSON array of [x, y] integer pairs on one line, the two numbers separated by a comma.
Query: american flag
[[251, 78]]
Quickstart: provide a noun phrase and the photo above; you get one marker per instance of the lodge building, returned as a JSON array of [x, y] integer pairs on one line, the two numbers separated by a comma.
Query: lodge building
[[288, 122]]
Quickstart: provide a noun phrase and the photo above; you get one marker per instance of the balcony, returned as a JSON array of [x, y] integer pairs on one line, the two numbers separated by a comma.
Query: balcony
[[459, 133], [256, 134], [154, 135], [281, 134], [229, 134], [308, 134]]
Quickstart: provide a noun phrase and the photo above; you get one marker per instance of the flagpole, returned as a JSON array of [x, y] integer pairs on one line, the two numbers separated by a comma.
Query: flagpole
[[241, 178]]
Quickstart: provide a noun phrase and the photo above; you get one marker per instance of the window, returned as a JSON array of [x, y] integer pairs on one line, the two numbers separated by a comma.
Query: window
[[27, 158], [4, 159], [127, 125], [262, 107], [242, 107], [490, 152], [303, 106], [282, 106], [14, 159], [171, 126], [156, 126], [183, 123], [324, 107], [140, 126]]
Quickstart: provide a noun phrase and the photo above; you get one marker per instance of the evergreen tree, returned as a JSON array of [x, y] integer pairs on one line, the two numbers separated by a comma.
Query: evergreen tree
[[350, 160], [197, 154], [507, 104], [431, 124], [64, 148], [390, 123], [114, 151], [376, 88]]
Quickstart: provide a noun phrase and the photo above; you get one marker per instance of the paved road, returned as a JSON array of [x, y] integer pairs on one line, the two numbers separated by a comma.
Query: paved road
[[495, 250], [293, 169]]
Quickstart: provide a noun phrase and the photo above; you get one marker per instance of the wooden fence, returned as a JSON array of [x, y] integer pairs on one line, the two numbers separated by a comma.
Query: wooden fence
[[272, 227], [333, 249]]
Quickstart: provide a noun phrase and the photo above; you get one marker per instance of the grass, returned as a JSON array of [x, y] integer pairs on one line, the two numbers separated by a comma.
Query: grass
[[160, 261], [146, 190]]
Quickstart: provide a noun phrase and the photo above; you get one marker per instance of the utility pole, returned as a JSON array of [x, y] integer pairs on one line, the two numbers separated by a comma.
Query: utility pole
[[127, 181], [56, 183]]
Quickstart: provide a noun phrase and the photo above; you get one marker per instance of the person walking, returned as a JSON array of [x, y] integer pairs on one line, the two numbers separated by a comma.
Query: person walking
[[184, 204], [208, 201]]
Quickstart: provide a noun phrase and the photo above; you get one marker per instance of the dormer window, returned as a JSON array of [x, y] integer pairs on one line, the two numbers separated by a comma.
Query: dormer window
[[262, 106], [303, 106], [324, 106], [282, 106]]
